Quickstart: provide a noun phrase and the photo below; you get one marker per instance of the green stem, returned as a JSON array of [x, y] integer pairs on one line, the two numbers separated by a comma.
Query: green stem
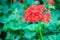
[[40, 33], [10, 1]]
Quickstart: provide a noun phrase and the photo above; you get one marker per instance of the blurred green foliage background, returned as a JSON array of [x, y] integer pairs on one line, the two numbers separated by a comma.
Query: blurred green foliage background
[[14, 27]]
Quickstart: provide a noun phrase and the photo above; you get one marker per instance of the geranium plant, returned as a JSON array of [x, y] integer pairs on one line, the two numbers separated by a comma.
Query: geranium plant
[[35, 14]]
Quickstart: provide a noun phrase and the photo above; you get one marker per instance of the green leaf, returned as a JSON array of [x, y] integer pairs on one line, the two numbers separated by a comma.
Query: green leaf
[[52, 26], [10, 36], [12, 26], [19, 7], [52, 37], [32, 27], [58, 36], [29, 35], [45, 1], [30, 2]]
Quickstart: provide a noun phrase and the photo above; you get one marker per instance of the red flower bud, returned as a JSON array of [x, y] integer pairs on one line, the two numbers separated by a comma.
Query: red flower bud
[[51, 2]]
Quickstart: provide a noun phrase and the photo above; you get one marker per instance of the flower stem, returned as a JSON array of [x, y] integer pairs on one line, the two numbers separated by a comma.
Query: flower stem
[[10, 1], [40, 33]]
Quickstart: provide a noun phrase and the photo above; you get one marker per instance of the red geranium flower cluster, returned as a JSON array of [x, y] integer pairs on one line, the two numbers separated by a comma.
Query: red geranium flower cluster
[[36, 13], [51, 2]]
